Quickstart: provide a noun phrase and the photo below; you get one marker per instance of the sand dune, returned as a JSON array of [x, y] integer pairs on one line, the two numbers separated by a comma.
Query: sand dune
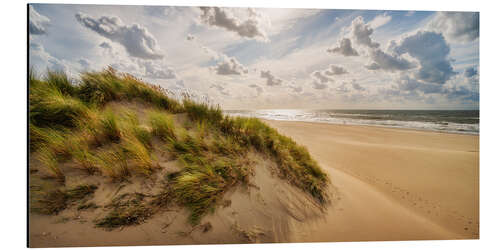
[[387, 184], [393, 184]]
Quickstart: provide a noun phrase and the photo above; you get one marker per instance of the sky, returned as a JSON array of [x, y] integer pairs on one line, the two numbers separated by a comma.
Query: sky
[[253, 58]]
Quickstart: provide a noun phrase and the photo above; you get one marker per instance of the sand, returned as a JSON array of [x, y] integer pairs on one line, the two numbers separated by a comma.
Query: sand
[[394, 184], [387, 184]]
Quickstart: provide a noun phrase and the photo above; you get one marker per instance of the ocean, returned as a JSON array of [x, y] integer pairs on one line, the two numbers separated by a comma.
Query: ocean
[[450, 121]]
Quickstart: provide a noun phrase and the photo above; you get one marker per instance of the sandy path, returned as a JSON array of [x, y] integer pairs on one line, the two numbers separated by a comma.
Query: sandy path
[[394, 184]]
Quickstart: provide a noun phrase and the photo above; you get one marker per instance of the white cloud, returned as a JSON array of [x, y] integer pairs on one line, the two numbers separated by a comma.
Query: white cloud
[[229, 66], [335, 70], [344, 48], [105, 45], [135, 38], [37, 22], [271, 80], [155, 71], [220, 89], [257, 88], [320, 77], [431, 50], [319, 85], [296, 89], [456, 26], [349, 87], [387, 62], [361, 33], [224, 18], [41, 59]]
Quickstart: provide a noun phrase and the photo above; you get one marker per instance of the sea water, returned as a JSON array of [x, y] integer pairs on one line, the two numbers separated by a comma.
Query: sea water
[[452, 121]]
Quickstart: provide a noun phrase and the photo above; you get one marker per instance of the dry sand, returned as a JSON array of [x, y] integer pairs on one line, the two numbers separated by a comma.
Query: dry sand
[[387, 184], [394, 184]]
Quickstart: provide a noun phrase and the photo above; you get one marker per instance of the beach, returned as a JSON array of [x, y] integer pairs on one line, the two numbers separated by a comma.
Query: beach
[[392, 184]]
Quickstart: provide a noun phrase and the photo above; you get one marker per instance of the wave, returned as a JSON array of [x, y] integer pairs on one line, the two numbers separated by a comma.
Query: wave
[[442, 121]]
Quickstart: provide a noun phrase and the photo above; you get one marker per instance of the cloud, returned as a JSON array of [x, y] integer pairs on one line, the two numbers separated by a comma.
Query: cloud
[[344, 48], [155, 71], [229, 66], [431, 50], [373, 66], [347, 87], [105, 45], [39, 57], [125, 66], [343, 88], [84, 63], [361, 33], [223, 18], [379, 21], [136, 39], [335, 70], [257, 88], [470, 72], [409, 84], [219, 88], [296, 89], [456, 26], [271, 80], [320, 77], [358, 87], [391, 63], [461, 92], [190, 37], [37, 22], [318, 85]]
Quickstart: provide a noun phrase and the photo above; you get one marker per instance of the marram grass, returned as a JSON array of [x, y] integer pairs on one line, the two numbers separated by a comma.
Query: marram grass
[[72, 125]]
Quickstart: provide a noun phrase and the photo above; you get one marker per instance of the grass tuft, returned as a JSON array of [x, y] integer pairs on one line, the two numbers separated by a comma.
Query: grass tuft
[[113, 163], [162, 125], [127, 209], [138, 155], [203, 112], [53, 202], [50, 162], [109, 126]]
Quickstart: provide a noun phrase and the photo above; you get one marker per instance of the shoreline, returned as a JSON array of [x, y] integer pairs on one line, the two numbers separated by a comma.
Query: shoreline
[[377, 126]]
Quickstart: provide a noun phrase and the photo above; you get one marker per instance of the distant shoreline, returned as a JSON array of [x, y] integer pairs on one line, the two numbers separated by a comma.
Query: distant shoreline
[[442, 121], [378, 126]]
